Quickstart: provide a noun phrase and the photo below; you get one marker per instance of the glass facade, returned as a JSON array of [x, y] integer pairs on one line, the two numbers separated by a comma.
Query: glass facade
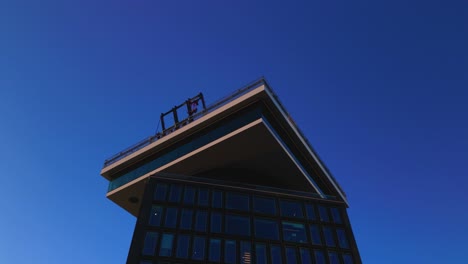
[[195, 222]]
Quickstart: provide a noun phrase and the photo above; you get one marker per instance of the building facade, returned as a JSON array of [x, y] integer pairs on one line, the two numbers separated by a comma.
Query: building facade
[[235, 182]]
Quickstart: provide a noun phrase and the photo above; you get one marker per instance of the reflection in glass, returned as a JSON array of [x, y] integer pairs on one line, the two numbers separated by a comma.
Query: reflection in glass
[[160, 192], [333, 258], [294, 232], [315, 235], [245, 252], [348, 259], [230, 252], [171, 217], [156, 215], [215, 250], [328, 233], [183, 246], [310, 212], [174, 194], [189, 195], [198, 251], [264, 205], [305, 256], [201, 220], [217, 201], [203, 197], [336, 215], [267, 229], [216, 220], [319, 257], [342, 241], [261, 254], [149, 245], [275, 253], [291, 257], [166, 245], [291, 209], [323, 213]]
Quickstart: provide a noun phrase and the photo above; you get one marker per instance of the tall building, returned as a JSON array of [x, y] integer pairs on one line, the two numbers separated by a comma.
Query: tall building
[[234, 182]]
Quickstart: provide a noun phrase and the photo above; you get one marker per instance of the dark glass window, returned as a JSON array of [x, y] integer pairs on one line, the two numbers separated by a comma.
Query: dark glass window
[[203, 197], [275, 253], [166, 245], [237, 225], [315, 235], [267, 229], [294, 232], [189, 195], [245, 252], [328, 233], [186, 219], [291, 257], [183, 242], [216, 222], [201, 221], [156, 215], [264, 205], [215, 250], [217, 201], [310, 212], [151, 240], [319, 257], [146, 262], [174, 194], [336, 215], [333, 258], [230, 252], [237, 201], [342, 240], [261, 254], [323, 213], [348, 259], [198, 251], [291, 209], [160, 192], [305, 256], [171, 217]]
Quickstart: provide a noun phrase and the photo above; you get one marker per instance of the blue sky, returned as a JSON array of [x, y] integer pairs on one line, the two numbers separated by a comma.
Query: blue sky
[[380, 88]]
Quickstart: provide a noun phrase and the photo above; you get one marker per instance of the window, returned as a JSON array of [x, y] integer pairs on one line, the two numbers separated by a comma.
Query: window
[[291, 209], [310, 212], [237, 225], [171, 217], [333, 258], [186, 219], [237, 201], [348, 259], [230, 252], [261, 254], [166, 245], [342, 241], [336, 215], [189, 195], [294, 232], [323, 213], [215, 250], [319, 257], [151, 240], [264, 205], [156, 215], [216, 222], [245, 252], [315, 235], [200, 224], [305, 256], [183, 242], [198, 251], [217, 201], [275, 252], [267, 229], [203, 197], [160, 192], [174, 194], [291, 257], [329, 240]]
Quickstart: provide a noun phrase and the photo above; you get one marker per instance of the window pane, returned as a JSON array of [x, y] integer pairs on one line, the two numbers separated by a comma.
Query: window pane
[[183, 246], [171, 217], [237, 225], [217, 199], [276, 255], [291, 209], [342, 241], [215, 250], [186, 219], [336, 215], [146, 262], [310, 212], [315, 235], [319, 257], [200, 224], [245, 252], [166, 245], [151, 240], [160, 192], [291, 257], [189, 195], [264, 205], [156, 215], [237, 201], [329, 240], [294, 232], [198, 251], [348, 259], [216, 221], [203, 197], [323, 213], [175, 193], [261, 254], [267, 229], [333, 258], [305, 256], [230, 252]]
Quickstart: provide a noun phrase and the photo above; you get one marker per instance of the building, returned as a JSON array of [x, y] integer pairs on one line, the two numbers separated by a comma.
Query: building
[[235, 182]]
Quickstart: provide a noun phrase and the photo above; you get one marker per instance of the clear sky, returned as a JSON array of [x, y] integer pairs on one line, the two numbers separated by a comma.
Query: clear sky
[[380, 88]]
